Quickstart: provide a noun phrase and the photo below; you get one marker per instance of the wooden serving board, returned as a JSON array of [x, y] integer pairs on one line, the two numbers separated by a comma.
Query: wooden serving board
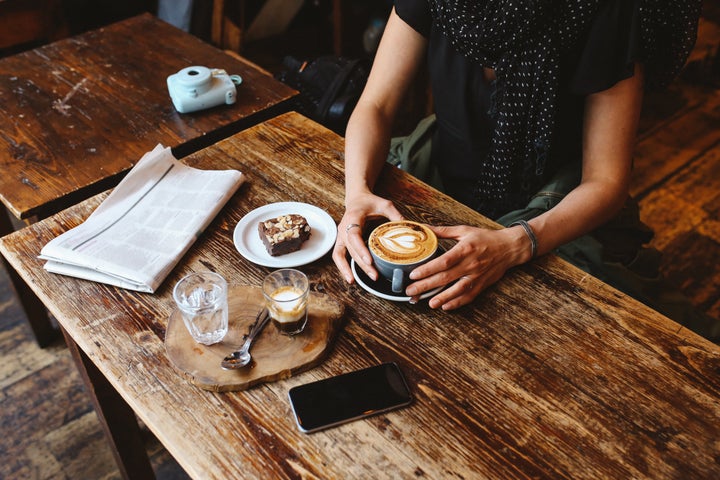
[[275, 356]]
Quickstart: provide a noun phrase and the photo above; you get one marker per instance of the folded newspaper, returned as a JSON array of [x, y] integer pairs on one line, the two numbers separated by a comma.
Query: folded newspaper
[[142, 229]]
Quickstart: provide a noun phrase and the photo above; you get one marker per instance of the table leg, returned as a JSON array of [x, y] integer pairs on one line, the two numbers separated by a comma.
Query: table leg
[[36, 313], [116, 417]]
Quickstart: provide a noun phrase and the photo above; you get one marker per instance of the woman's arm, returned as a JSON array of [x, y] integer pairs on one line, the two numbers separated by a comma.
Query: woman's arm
[[481, 257], [610, 127], [367, 138]]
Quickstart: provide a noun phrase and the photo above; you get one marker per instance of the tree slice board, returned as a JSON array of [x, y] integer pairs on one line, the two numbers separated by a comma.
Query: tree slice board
[[275, 356]]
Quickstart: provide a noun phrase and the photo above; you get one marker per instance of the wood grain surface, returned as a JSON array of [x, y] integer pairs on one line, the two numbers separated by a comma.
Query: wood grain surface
[[76, 114], [274, 356], [548, 374]]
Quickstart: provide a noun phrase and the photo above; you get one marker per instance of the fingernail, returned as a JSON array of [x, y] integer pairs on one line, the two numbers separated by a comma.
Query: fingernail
[[412, 301]]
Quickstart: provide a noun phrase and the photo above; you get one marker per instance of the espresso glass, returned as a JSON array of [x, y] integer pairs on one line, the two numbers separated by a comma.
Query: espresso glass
[[286, 293]]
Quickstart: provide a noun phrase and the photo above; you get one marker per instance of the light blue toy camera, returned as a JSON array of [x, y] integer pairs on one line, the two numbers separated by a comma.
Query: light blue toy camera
[[197, 88]]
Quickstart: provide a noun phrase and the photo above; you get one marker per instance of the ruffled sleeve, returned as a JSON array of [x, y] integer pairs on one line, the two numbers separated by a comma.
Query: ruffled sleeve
[[415, 13], [611, 50]]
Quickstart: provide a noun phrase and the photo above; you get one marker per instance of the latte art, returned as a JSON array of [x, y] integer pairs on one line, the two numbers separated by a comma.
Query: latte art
[[403, 242]]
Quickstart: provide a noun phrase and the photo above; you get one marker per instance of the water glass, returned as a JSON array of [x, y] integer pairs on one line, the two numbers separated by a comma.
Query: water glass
[[202, 301]]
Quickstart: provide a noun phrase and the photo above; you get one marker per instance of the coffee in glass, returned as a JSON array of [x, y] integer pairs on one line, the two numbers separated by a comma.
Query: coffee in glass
[[286, 293]]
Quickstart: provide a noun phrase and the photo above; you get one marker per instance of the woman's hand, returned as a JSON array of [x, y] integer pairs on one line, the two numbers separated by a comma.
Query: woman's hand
[[349, 237], [367, 139], [478, 259]]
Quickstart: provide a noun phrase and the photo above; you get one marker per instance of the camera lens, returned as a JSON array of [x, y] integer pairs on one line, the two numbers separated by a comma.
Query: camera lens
[[196, 78]]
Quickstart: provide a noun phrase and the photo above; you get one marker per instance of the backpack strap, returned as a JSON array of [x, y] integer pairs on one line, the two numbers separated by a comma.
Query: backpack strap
[[336, 87]]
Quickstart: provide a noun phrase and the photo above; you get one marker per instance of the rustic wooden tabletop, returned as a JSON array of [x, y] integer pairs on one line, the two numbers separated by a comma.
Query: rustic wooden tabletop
[[550, 373]]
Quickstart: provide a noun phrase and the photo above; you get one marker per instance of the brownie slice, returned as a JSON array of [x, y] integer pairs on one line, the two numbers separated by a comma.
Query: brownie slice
[[284, 234]]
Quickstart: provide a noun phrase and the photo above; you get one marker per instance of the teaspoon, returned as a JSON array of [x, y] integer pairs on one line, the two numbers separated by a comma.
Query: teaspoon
[[241, 357]]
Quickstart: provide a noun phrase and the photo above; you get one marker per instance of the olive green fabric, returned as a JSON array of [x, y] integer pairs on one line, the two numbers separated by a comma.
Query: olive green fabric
[[412, 153]]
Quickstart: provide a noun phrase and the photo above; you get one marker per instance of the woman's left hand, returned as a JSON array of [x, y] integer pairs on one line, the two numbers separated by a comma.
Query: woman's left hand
[[478, 259]]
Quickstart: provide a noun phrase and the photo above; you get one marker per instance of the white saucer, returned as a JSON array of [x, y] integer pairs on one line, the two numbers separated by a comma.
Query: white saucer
[[322, 235], [382, 288]]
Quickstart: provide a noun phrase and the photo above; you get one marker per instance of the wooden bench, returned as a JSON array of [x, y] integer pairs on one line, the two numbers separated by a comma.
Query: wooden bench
[[30, 22]]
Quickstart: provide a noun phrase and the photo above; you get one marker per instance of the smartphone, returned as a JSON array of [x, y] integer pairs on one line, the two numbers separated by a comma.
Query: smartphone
[[350, 396]]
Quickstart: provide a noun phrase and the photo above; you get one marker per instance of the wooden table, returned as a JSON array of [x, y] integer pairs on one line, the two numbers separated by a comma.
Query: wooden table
[[549, 374], [76, 114]]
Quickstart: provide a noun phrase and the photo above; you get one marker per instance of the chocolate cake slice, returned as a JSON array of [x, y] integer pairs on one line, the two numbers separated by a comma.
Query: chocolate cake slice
[[284, 234]]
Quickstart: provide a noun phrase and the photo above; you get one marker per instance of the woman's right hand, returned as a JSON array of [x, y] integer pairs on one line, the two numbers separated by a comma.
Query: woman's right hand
[[350, 232]]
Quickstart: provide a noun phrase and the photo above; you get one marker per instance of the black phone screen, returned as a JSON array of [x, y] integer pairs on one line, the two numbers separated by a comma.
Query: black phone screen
[[349, 396]]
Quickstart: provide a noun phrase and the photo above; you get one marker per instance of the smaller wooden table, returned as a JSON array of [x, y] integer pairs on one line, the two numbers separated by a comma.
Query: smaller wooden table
[[76, 114]]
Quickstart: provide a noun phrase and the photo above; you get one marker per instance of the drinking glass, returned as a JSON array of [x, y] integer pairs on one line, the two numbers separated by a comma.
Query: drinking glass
[[286, 294], [202, 301]]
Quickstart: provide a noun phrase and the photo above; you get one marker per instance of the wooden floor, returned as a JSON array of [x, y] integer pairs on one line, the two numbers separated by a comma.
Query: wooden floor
[[49, 430], [677, 170]]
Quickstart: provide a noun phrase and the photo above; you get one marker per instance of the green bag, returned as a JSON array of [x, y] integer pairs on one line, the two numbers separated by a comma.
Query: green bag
[[412, 153]]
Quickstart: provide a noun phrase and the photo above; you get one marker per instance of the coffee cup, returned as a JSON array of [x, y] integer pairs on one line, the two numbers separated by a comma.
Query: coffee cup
[[398, 247]]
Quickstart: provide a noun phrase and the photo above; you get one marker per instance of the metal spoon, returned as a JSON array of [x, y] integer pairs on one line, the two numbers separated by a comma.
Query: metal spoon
[[241, 357]]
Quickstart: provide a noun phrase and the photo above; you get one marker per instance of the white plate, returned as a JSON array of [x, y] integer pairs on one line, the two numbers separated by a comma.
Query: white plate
[[323, 232], [382, 288]]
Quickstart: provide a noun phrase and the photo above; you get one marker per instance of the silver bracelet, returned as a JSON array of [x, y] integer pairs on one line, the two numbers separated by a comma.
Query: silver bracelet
[[530, 234]]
